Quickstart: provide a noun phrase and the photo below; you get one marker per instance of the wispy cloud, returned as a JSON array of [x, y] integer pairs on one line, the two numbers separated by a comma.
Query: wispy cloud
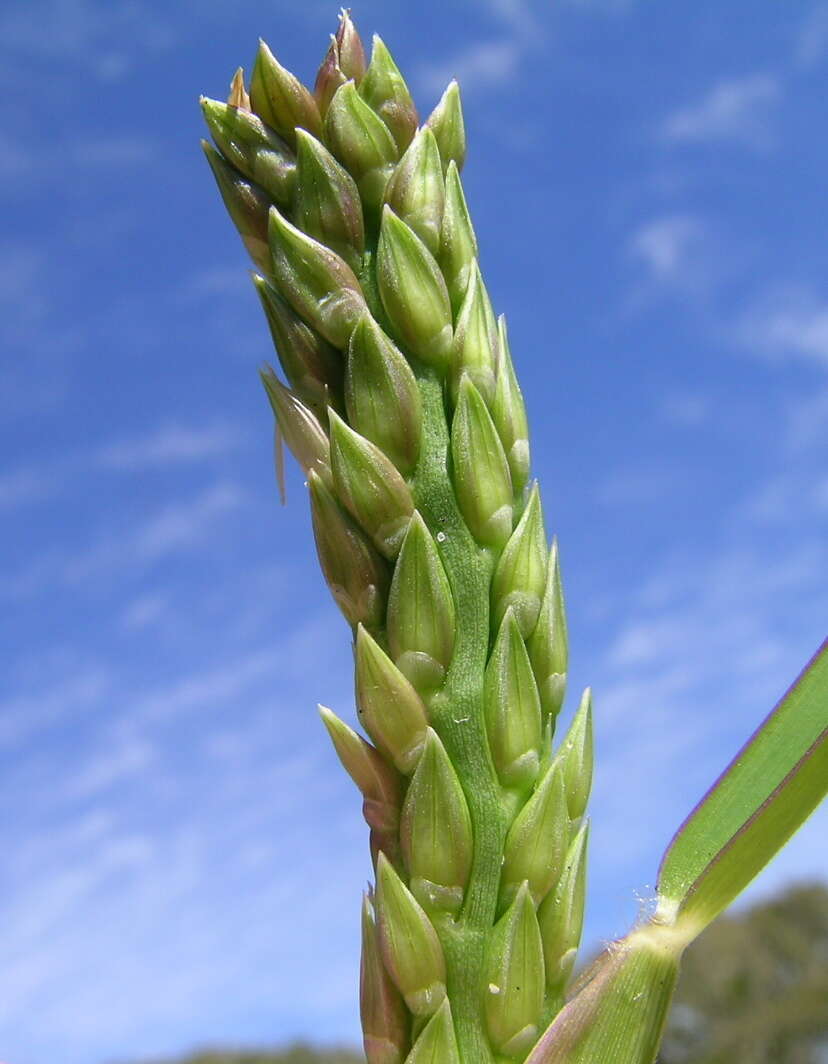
[[481, 65], [787, 322], [739, 111], [169, 529], [91, 34], [678, 252], [812, 39], [685, 409], [170, 444]]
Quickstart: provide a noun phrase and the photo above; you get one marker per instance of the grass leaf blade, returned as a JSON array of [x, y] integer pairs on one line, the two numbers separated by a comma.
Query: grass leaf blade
[[759, 801]]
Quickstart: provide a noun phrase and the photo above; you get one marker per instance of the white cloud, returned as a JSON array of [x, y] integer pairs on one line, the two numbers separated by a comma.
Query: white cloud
[[167, 445], [737, 110], [788, 322], [481, 65], [172, 528], [673, 248], [81, 31]]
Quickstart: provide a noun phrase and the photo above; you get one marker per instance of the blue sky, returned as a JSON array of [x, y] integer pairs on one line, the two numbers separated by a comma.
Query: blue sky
[[183, 857]]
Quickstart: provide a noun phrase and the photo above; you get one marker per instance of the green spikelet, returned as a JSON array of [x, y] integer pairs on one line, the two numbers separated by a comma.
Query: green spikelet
[[520, 578], [436, 831], [515, 986]]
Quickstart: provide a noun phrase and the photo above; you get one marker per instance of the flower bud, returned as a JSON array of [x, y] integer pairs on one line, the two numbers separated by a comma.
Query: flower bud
[[446, 122], [475, 339], [512, 708], [280, 99], [413, 292], [317, 283], [381, 395], [384, 89], [458, 244], [350, 50], [515, 979], [327, 205], [302, 433], [436, 831], [416, 190], [537, 841], [378, 782], [561, 915], [576, 756], [238, 93], [509, 413], [421, 611], [437, 1043], [382, 1010], [481, 474], [548, 644], [247, 205], [360, 140], [252, 148], [389, 707], [312, 366], [354, 571], [410, 947], [520, 577]]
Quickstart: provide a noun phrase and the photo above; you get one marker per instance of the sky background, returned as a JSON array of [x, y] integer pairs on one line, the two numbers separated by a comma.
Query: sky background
[[182, 855]]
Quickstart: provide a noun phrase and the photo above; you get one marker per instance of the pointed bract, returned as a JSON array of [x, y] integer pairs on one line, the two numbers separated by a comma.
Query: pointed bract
[[413, 292], [548, 644], [360, 140], [475, 339], [576, 755], [382, 1010], [280, 99], [378, 782], [385, 90], [436, 832], [302, 432], [410, 947], [246, 203], [318, 284], [389, 707], [312, 366], [416, 190], [446, 122], [421, 611], [509, 412], [252, 148], [327, 205], [329, 78], [515, 979], [481, 474], [512, 707], [356, 574], [381, 395], [458, 244], [437, 1043], [561, 915], [370, 487], [520, 578], [537, 841], [238, 96], [350, 49]]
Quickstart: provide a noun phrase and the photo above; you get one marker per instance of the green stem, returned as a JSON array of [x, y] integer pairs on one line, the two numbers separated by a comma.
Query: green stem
[[457, 716]]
